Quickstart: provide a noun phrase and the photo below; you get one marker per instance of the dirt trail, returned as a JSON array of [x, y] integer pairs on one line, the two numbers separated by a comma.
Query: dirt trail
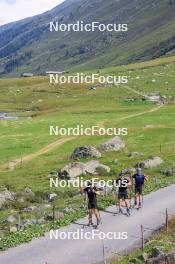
[[12, 164]]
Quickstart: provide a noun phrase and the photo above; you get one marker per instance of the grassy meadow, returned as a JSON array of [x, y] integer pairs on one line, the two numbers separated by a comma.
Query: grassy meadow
[[151, 128]]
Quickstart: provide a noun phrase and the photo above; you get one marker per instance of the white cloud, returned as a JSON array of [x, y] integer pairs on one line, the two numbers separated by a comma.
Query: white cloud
[[19, 9]]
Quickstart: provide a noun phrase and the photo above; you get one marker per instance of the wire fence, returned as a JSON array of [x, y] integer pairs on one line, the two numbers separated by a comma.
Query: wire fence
[[141, 237]]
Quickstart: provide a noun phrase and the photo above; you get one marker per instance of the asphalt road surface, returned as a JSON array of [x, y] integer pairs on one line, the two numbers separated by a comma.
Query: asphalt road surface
[[88, 251]]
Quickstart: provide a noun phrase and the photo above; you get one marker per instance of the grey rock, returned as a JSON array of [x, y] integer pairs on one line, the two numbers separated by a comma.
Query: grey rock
[[163, 259], [44, 206], [41, 221], [157, 251], [13, 229], [10, 219], [75, 169], [27, 192], [69, 210], [150, 163], [58, 216], [29, 209], [52, 196], [129, 170], [85, 152], [145, 257], [91, 167], [168, 172], [133, 154], [6, 195], [113, 144]]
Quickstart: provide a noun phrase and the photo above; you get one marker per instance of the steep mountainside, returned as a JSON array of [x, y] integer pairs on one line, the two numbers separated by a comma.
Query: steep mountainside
[[27, 45]]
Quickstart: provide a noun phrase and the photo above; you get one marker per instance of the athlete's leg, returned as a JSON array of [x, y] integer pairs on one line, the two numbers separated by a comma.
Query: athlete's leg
[[97, 215], [90, 216]]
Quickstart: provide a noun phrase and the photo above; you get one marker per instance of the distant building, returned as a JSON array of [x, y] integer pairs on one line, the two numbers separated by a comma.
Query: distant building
[[27, 74], [54, 72]]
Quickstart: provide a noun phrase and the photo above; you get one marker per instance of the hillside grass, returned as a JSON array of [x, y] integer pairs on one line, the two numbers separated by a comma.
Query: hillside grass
[[39, 105]]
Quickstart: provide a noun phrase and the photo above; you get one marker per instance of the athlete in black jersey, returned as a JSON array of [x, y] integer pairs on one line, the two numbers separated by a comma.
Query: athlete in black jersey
[[91, 193]]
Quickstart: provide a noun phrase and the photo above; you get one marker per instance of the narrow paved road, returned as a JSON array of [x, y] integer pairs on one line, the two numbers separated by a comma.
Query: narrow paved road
[[44, 250]]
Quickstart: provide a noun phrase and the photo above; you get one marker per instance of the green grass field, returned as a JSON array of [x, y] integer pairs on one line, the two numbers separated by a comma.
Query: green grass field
[[39, 105]]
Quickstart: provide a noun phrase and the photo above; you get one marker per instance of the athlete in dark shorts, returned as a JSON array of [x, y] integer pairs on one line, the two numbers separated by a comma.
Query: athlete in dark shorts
[[122, 182], [139, 179], [91, 193]]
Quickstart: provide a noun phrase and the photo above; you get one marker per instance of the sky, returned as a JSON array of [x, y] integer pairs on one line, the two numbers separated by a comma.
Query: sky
[[13, 10]]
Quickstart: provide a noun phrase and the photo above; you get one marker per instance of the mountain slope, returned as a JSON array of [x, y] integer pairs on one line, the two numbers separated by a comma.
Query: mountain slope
[[28, 45]]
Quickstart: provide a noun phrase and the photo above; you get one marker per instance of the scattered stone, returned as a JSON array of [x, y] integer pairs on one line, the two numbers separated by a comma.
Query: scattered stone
[[93, 88], [168, 172], [150, 163], [11, 219], [149, 126], [52, 196], [75, 169], [44, 206], [72, 170], [27, 192], [58, 216], [13, 229], [133, 154], [157, 251], [21, 200], [6, 195], [144, 257], [154, 97], [41, 221], [69, 210], [29, 209], [129, 171], [114, 144], [85, 152]]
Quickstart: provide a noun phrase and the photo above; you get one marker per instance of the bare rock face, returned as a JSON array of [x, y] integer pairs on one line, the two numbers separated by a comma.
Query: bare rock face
[[85, 152], [113, 144], [150, 163], [75, 169]]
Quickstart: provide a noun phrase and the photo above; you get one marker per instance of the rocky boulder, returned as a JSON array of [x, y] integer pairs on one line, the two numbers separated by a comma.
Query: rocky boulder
[[6, 195], [85, 152], [168, 172], [58, 216], [75, 169], [150, 163], [113, 144], [10, 219], [163, 259], [27, 192], [129, 171]]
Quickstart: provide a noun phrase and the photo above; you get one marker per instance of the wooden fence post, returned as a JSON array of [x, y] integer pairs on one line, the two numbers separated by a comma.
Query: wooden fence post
[[104, 255], [53, 211], [167, 227], [142, 237]]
